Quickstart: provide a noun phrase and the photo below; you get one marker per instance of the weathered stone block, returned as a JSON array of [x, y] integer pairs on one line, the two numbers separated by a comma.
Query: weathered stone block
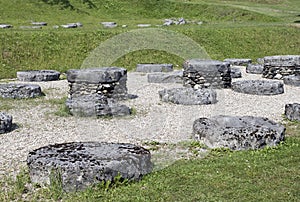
[[5, 122], [148, 68], [78, 165], [200, 73], [238, 133], [255, 69], [292, 80], [236, 73], [258, 87], [238, 61], [38, 75], [188, 96], [168, 77], [292, 111], [16, 91]]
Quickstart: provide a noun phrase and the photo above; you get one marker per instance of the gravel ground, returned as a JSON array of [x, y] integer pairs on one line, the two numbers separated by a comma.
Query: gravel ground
[[154, 120]]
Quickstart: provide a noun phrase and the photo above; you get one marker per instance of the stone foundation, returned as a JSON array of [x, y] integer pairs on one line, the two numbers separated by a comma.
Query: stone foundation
[[277, 67], [206, 73], [19, 91], [96, 91], [38, 75], [258, 87], [148, 68]]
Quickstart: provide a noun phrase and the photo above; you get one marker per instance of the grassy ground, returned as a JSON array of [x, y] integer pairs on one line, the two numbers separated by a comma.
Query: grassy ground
[[242, 29], [271, 174]]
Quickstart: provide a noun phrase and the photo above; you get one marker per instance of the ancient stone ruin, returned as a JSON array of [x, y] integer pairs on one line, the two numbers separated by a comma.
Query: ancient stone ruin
[[292, 80], [38, 75], [258, 87], [238, 133], [254, 69], [78, 165], [5, 122], [238, 61], [148, 68], [19, 91], [96, 92], [165, 77], [200, 73], [277, 67], [236, 73], [292, 111], [188, 96]]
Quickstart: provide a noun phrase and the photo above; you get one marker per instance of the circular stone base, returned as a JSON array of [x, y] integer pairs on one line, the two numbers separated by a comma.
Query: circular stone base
[[38, 75], [238, 133], [78, 165], [19, 91], [5, 122], [188, 96], [258, 87]]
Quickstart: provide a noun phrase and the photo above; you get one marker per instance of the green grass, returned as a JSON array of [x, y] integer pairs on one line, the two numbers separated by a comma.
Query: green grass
[[270, 174]]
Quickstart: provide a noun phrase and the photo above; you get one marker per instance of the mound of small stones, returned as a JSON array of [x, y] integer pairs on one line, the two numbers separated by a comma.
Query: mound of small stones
[[149, 68], [165, 77], [258, 87], [238, 133], [38, 75], [238, 61], [254, 69], [81, 164], [188, 96], [292, 80], [5, 122], [13, 90], [292, 111]]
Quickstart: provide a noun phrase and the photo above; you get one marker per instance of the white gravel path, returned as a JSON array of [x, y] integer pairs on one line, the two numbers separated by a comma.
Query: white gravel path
[[154, 121]]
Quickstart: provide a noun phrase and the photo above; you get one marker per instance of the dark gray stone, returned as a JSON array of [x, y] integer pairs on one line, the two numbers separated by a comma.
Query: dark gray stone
[[39, 23], [38, 75], [5, 26], [188, 96], [280, 66], [81, 164], [109, 24], [200, 73], [18, 91], [95, 92], [292, 111], [149, 68], [5, 122], [169, 77], [255, 69], [238, 133], [238, 61], [292, 80], [258, 87], [236, 73]]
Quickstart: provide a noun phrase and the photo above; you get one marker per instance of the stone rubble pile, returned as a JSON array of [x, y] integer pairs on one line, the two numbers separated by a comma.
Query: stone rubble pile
[[78, 165], [96, 92]]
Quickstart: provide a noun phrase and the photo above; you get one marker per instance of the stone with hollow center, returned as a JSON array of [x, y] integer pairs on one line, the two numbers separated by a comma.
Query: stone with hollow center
[[78, 165]]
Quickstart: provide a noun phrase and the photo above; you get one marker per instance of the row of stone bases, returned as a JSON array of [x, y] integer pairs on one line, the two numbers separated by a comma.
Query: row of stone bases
[[96, 92]]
